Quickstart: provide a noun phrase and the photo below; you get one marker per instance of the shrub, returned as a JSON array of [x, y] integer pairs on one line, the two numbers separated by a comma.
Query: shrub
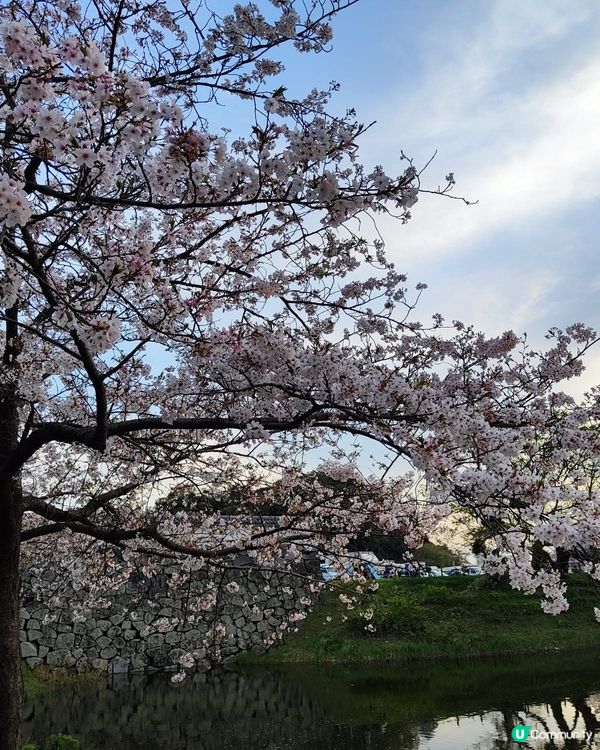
[[62, 742], [390, 615]]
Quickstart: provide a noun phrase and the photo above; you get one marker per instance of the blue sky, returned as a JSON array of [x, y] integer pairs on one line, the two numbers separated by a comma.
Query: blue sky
[[508, 93]]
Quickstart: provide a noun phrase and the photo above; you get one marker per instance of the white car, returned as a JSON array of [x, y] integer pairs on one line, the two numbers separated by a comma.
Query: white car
[[472, 570], [453, 570]]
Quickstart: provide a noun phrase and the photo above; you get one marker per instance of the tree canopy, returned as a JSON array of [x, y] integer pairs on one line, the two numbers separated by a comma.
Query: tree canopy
[[186, 302]]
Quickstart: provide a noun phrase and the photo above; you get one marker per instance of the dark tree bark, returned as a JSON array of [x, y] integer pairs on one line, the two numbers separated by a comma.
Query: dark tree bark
[[11, 517], [10, 650]]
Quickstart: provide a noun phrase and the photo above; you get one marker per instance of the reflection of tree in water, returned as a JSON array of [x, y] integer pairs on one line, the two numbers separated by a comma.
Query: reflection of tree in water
[[551, 718], [501, 723], [587, 709], [377, 708], [215, 712]]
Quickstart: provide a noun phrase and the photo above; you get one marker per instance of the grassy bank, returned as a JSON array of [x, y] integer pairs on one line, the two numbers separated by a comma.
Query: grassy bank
[[43, 679], [33, 686], [420, 618]]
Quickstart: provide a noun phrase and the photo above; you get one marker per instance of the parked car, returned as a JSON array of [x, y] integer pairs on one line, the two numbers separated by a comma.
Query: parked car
[[331, 569], [328, 572], [370, 571], [472, 570], [453, 570], [405, 569]]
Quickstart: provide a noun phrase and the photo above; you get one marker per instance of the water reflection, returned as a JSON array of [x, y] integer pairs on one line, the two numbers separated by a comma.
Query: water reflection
[[390, 707]]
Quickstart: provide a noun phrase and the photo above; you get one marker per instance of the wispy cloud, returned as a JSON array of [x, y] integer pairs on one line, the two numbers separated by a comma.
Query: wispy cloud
[[477, 57], [523, 176], [521, 148], [509, 94]]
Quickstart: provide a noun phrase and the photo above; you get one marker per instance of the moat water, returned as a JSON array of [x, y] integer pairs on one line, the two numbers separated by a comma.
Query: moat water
[[435, 706]]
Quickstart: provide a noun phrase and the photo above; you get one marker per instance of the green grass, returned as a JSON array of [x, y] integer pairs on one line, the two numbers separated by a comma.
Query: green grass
[[43, 680], [424, 618], [33, 686]]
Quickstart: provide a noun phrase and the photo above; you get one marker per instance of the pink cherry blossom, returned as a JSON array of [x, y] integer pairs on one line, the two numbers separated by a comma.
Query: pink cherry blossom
[[186, 307]]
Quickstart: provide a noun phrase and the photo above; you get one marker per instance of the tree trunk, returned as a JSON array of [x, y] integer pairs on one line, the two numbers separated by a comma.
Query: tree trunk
[[11, 519], [11, 689]]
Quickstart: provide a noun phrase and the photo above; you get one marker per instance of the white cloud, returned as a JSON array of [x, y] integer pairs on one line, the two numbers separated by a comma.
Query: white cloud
[[590, 378], [505, 301], [474, 64], [520, 154], [511, 99], [523, 177]]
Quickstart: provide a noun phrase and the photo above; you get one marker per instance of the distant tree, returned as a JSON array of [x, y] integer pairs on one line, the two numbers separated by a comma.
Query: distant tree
[[437, 554], [390, 546]]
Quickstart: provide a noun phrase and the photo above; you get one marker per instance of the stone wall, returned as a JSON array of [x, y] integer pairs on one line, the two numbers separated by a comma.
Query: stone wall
[[149, 625]]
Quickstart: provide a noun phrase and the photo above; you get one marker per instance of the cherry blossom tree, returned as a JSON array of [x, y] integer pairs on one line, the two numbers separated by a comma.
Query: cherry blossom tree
[[188, 303]]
